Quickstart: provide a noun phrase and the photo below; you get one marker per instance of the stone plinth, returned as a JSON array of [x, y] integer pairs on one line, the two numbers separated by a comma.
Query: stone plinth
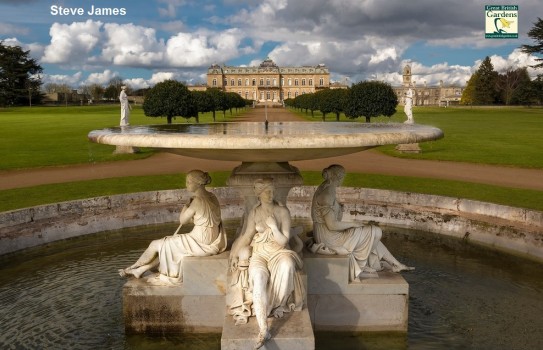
[[335, 304], [195, 306], [408, 148], [293, 332]]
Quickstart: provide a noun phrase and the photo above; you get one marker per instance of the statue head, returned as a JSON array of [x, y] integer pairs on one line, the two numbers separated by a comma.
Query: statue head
[[199, 177], [264, 187], [334, 172]]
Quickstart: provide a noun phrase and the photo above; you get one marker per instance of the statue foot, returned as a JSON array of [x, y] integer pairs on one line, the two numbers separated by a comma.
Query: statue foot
[[401, 267], [129, 271], [263, 336]]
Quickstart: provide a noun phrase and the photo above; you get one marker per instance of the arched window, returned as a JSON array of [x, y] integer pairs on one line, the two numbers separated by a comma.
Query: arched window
[[246, 82], [232, 82], [268, 82], [214, 82], [303, 82], [310, 82], [321, 81], [239, 82], [261, 82], [289, 82], [225, 82], [295, 82], [254, 82]]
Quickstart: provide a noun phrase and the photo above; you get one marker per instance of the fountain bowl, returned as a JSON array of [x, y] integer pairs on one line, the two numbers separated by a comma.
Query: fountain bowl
[[258, 142]]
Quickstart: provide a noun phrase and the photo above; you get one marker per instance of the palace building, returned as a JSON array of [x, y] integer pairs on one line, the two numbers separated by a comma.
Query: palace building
[[268, 82], [424, 95]]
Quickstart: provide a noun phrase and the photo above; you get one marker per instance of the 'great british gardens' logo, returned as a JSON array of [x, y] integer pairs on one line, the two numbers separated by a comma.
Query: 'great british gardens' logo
[[501, 21]]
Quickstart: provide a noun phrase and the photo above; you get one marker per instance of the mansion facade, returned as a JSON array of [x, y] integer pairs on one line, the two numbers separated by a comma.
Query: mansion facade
[[440, 95], [268, 82]]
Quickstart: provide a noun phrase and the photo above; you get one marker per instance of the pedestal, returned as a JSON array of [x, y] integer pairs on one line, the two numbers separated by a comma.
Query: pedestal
[[243, 177], [408, 148]]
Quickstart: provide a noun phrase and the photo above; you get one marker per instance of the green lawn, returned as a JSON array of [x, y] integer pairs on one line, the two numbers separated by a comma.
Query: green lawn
[[509, 136], [45, 194], [46, 136], [50, 136]]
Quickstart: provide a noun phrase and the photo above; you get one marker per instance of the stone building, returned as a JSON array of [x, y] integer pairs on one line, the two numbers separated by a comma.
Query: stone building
[[441, 95], [268, 82]]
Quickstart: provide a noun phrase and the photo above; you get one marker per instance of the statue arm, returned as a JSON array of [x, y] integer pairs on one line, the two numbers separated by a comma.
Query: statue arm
[[281, 236], [188, 211], [335, 225], [244, 240]]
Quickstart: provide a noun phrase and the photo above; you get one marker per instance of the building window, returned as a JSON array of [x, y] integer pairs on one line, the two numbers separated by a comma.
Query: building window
[[289, 82], [282, 81], [254, 82], [232, 82], [295, 82], [310, 82], [239, 82], [267, 95], [288, 94], [295, 94], [303, 82], [261, 82], [274, 82], [225, 82], [268, 82], [321, 81], [246, 95], [262, 95], [214, 82], [246, 82]]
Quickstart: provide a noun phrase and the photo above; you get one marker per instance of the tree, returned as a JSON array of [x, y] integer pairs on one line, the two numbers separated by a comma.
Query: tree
[[536, 33], [485, 83], [331, 101], [113, 89], [19, 76], [513, 84], [219, 100], [468, 95], [204, 102], [370, 99], [169, 99]]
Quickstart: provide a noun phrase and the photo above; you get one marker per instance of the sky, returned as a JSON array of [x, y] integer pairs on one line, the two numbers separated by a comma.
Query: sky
[[145, 42]]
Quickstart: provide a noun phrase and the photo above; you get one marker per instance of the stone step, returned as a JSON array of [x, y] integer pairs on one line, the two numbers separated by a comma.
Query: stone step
[[291, 332]]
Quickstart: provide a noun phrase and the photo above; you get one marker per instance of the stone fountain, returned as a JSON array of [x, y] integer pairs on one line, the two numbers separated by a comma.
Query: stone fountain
[[264, 150]]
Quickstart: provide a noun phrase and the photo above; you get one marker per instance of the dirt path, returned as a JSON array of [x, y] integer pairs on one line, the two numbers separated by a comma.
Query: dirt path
[[370, 162]]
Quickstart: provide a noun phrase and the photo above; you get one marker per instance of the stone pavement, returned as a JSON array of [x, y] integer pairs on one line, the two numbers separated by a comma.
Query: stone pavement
[[370, 162]]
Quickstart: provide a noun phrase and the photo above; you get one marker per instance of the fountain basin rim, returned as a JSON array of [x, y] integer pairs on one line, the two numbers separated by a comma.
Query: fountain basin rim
[[251, 141]]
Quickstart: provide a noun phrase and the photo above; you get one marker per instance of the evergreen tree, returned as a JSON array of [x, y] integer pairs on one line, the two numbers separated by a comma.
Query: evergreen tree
[[19, 80], [468, 95], [536, 33], [485, 83]]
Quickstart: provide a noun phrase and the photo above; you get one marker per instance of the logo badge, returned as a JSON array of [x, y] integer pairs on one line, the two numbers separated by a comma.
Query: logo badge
[[501, 21]]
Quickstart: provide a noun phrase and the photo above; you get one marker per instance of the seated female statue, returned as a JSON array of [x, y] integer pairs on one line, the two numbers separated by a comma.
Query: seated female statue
[[264, 251], [362, 243], [206, 238]]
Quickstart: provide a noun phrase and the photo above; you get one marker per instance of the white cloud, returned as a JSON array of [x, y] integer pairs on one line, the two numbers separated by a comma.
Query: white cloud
[[101, 78], [72, 43], [70, 80], [131, 45], [36, 50], [202, 48]]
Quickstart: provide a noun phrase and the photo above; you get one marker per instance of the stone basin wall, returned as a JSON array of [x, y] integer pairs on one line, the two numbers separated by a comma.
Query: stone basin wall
[[513, 230]]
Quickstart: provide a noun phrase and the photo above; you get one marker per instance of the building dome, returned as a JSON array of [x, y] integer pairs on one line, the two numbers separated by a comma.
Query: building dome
[[268, 63]]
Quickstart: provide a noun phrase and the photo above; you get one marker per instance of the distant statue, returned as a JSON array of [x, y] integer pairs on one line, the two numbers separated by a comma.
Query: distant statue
[[207, 237], [360, 242], [408, 106], [125, 107], [264, 268]]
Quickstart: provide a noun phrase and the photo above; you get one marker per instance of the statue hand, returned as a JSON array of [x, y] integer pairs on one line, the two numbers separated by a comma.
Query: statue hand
[[271, 222], [233, 264]]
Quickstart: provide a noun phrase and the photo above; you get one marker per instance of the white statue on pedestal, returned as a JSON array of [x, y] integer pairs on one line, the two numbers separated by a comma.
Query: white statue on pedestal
[[264, 269], [408, 106], [208, 236], [360, 242], [125, 107]]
